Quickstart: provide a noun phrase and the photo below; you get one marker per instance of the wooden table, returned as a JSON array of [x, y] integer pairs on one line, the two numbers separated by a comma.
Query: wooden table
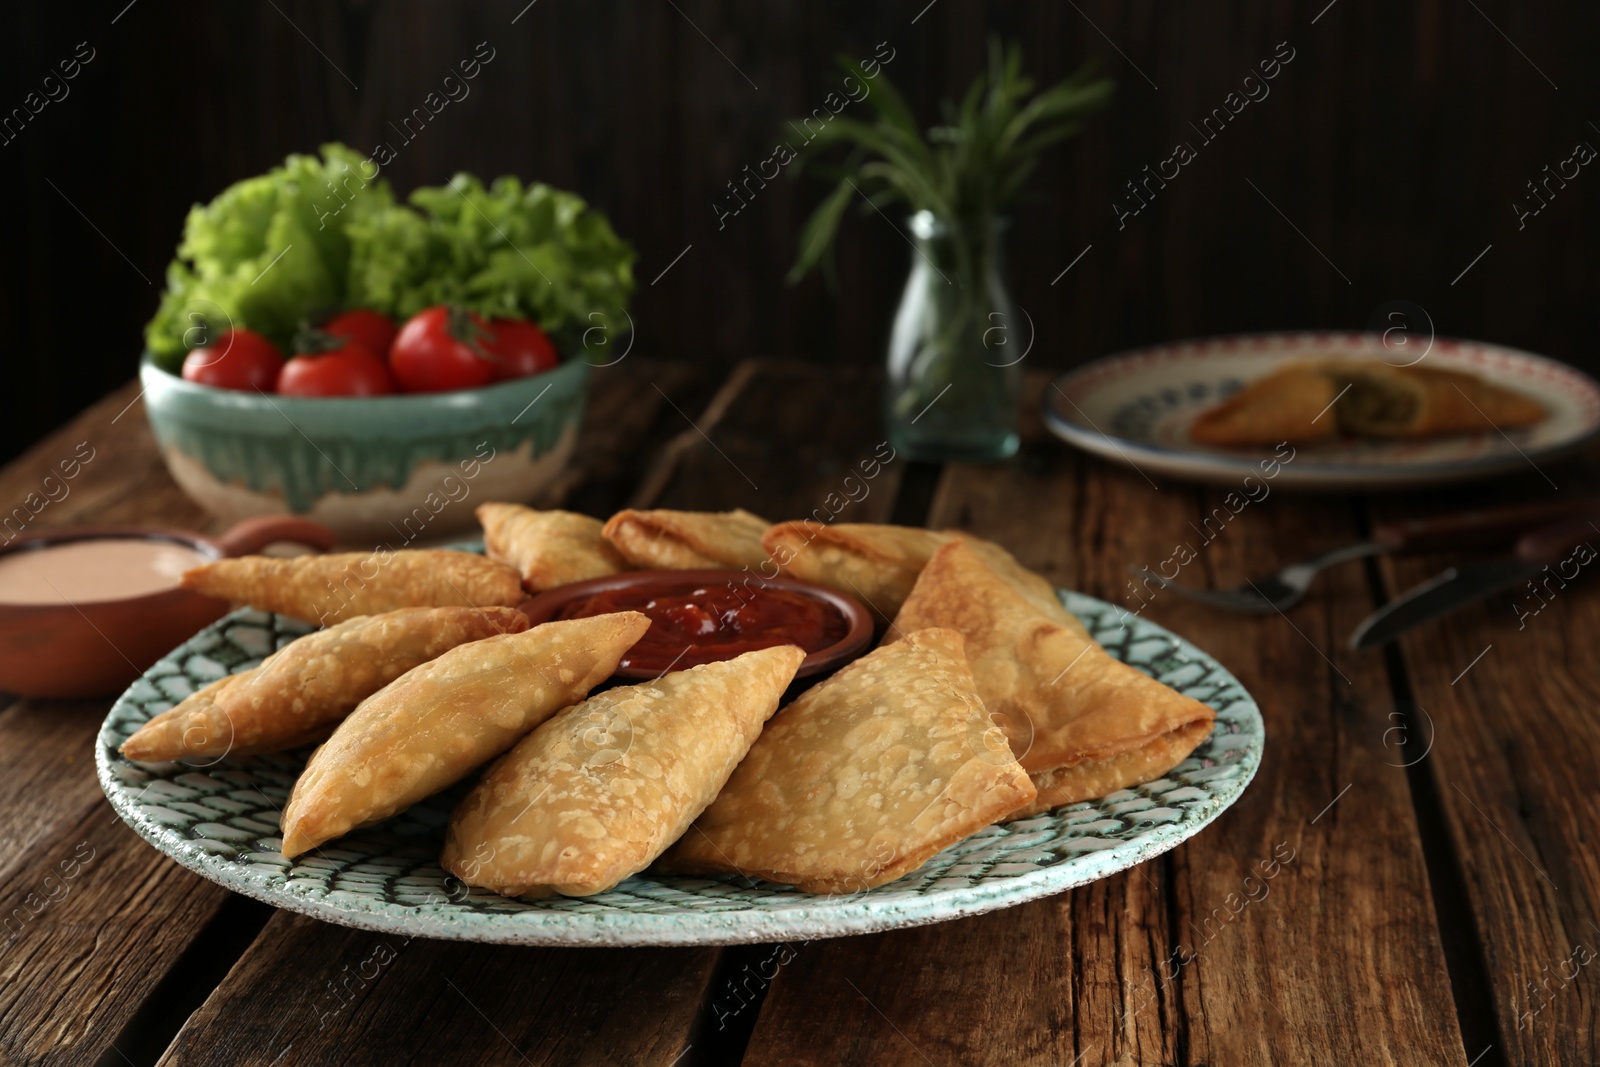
[[1438, 802]]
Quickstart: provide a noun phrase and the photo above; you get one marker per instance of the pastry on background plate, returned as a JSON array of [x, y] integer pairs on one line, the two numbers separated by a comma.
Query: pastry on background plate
[[1288, 405], [548, 548], [596, 793], [1081, 722], [300, 692], [1423, 401], [864, 777], [437, 723], [332, 588], [1307, 402], [688, 540]]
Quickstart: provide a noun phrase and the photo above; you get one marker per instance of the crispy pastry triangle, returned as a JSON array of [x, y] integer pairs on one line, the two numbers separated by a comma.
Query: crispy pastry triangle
[[301, 692], [1288, 405], [548, 548], [596, 793], [332, 588], [863, 777], [878, 564], [436, 723], [1081, 722], [687, 540]]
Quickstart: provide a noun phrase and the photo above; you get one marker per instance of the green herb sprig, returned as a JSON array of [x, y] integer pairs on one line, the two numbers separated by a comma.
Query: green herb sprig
[[968, 169]]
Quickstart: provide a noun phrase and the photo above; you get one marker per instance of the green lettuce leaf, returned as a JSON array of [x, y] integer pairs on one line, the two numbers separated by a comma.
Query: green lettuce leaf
[[267, 253], [313, 236]]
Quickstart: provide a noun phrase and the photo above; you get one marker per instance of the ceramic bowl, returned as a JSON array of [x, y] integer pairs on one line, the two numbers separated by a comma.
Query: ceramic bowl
[[548, 605], [96, 648], [398, 469]]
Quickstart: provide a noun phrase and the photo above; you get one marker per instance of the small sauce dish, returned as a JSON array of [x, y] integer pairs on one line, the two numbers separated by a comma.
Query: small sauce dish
[[58, 638], [703, 616]]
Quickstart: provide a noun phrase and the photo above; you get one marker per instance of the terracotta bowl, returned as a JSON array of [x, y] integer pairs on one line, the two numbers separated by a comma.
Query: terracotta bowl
[[548, 605], [96, 648]]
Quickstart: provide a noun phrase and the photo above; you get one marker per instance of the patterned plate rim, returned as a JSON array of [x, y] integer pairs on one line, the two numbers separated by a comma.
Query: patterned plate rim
[[857, 913], [1306, 473]]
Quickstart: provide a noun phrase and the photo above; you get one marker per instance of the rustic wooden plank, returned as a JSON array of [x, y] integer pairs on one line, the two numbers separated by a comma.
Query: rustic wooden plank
[[550, 1006], [307, 992], [1309, 972], [1505, 691], [628, 418], [787, 436], [116, 468], [70, 986], [46, 770], [79, 970], [93, 919]]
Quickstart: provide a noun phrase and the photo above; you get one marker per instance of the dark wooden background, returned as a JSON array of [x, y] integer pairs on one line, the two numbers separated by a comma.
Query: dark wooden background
[[1396, 142]]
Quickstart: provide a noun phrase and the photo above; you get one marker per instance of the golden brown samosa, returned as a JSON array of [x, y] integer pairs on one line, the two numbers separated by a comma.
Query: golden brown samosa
[[596, 793], [688, 540], [1081, 722], [438, 722], [875, 563], [1314, 401], [299, 693], [1289, 405], [864, 777], [332, 588], [548, 548], [1378, 400], [878, 563]]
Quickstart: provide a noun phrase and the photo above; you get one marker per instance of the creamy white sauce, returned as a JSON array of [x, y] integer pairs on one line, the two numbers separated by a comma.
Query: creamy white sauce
[[105, 568]]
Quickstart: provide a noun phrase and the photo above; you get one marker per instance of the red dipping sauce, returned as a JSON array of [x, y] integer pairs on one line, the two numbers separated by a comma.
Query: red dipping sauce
[[694, 622]]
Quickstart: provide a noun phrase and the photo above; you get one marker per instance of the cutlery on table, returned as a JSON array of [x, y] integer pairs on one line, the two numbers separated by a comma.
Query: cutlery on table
[[1478, 528], [1458, 586]]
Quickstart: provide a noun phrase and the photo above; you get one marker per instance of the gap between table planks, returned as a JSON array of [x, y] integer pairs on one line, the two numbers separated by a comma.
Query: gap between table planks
[[1508, 704]]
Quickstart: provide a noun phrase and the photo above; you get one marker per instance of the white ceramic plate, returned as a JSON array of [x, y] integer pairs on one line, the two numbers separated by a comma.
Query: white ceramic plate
[[1135, 408], [221, 820]]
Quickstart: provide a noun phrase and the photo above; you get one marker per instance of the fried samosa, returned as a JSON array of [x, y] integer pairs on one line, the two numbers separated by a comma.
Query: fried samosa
[[1081, 722], [688, 540], [864, 777], [595, 794], [301, 692], [875, 563], [332, 588], [1287, 406], [878, 564], [1419, 402], [438, 722], [548, 548], [1304, 403]]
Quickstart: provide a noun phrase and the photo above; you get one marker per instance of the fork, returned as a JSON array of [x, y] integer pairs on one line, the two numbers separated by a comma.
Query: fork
[[1482, 527]]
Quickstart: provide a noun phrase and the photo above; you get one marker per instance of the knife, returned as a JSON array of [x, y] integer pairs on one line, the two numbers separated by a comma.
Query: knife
[[1458, 586]]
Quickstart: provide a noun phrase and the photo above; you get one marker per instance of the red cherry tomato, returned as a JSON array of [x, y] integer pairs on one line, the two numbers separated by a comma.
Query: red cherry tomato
[[237, 359], [439, 349], [372, 330], [349, 370], [518, 348]]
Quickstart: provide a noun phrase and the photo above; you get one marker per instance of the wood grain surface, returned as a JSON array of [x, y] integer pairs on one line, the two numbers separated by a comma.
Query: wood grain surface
[[1501, 705], [1197, 957], [1427, 816]]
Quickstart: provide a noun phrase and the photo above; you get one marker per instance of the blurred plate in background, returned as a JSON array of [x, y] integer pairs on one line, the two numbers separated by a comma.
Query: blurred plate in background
[[1135, 408]]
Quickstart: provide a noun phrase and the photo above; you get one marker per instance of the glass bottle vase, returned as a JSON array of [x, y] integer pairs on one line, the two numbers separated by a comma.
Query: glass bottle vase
[[954, 376]]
